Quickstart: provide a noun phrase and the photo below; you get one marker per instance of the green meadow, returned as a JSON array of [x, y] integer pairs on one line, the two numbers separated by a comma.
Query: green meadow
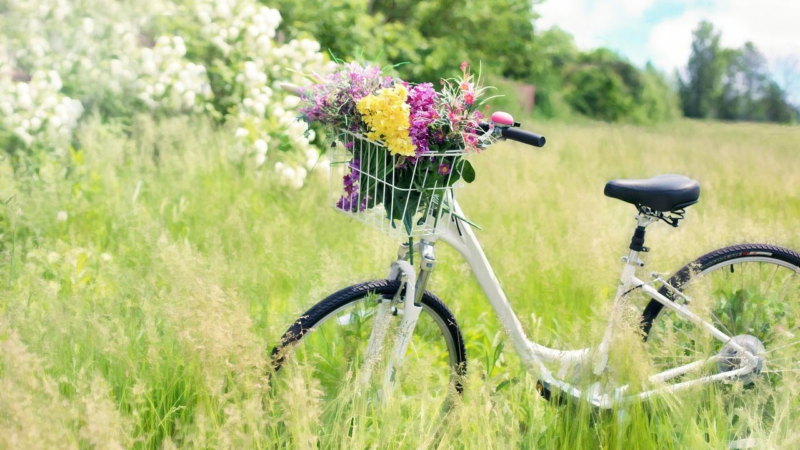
[[145, 278]]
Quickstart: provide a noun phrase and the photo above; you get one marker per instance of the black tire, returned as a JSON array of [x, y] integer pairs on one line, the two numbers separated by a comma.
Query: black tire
[[683, 276], [356, 293]]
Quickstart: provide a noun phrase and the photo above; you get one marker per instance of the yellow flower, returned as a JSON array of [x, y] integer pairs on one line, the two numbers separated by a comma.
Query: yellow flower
[[386, 115]]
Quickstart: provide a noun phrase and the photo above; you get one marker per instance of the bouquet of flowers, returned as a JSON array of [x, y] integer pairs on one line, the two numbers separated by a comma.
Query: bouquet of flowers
[[405, 144]]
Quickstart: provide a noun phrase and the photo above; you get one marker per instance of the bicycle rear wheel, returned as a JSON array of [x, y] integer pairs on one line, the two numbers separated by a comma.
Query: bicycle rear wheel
[[328, 344], [751, 293]]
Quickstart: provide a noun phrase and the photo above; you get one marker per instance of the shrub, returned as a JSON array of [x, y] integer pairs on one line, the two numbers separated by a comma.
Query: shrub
[[221, 59]]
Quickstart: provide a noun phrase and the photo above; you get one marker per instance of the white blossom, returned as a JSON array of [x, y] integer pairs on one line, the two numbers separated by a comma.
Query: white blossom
[[261, 147], [100, 52]]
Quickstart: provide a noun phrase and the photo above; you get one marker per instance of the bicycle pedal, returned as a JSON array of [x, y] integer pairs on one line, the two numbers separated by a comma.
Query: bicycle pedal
[[543, 388]]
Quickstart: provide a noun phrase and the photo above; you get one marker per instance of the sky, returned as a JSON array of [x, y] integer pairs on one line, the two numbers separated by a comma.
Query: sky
[[660, 31]]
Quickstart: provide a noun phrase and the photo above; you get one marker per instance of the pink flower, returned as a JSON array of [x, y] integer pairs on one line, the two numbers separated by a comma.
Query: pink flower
[[469, 98], [471, 140], [465, 86], [464, 66]]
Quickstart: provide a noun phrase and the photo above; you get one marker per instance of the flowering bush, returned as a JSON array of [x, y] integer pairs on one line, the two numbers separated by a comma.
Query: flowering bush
[[219, 58], [37, 112], [416, 137], [169, 82]]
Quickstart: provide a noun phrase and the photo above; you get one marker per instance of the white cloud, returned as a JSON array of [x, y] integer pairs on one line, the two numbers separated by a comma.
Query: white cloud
[[590, 20], [670, 41], [772, 25]]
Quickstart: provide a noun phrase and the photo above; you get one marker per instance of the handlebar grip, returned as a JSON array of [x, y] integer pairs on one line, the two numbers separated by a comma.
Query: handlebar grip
[[526, 137]]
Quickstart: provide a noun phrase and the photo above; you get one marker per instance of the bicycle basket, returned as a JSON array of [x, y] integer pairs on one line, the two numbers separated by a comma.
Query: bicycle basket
[[401, 197]]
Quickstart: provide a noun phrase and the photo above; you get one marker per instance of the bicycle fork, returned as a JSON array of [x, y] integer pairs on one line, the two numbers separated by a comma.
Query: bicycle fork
[[412, 307]]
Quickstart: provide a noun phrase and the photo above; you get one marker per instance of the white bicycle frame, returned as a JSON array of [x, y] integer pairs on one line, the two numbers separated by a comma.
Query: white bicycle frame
[[461, 237]]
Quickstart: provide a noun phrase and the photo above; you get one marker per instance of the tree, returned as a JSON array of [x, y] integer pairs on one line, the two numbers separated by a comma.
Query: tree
[[701, 88], [744, 84], [776, 107], [606, 86], [429, 38]]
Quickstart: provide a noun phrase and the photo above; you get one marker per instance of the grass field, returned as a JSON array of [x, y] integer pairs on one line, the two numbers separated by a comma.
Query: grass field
[[144, 281]]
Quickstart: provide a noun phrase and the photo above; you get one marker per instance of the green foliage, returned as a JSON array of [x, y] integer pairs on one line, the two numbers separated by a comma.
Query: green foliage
[[704, 73], [604, 86], [731, 84], [431, 36], [776, 107], [598, 91], [429, 39]]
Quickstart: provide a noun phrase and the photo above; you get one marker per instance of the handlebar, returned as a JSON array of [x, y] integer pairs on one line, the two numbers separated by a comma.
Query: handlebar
[[525, 137], [514, 134]]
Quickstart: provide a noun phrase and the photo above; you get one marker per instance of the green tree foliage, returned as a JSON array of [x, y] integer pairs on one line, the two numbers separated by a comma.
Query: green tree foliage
[[604, 86], [428, 39], [731, 84], [776, 107], [700, 91], [430, 36]]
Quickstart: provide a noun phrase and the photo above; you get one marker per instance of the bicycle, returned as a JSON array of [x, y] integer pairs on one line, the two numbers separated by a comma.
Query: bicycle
[[729, 313]]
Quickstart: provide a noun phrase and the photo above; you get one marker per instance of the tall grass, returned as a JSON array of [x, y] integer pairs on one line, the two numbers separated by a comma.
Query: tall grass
[[144, 320]]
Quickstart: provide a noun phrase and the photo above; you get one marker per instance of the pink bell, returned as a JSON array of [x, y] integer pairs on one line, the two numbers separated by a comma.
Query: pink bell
[[502, 118]]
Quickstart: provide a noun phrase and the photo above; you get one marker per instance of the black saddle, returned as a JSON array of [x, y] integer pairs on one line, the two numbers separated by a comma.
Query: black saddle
[[663, 193]]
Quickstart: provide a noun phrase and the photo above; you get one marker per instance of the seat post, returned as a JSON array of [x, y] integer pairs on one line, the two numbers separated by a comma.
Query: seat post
[[637, 241]]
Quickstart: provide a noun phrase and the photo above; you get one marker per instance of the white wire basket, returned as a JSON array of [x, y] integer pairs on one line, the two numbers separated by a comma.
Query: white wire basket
[[389, 193]]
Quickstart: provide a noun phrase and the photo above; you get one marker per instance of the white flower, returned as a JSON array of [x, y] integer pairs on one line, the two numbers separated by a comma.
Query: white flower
[[61, 216], [24, 100], [105, 257], [188, 99], [88, 25], [261, 158], [291, 101], [53, 257], [312, 157], [323, 165], [261, 147], [288, 175], [242, 133]]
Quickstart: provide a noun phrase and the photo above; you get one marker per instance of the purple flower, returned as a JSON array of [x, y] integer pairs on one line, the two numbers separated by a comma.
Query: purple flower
[[422, 100], [349, 201], [444, 169], [439, 136]]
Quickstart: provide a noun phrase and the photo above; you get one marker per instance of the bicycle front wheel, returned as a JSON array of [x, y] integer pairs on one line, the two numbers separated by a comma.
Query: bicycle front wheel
[[328, 345]]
